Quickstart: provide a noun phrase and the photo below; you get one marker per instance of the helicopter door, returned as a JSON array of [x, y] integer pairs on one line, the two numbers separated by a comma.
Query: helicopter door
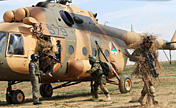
[[3, 37], [16, 59]]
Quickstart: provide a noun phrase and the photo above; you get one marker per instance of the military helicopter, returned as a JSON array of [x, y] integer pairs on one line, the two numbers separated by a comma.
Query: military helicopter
[[74, 34]]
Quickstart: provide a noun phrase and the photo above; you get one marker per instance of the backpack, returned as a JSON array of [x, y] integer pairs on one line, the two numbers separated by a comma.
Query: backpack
[[106, 68]]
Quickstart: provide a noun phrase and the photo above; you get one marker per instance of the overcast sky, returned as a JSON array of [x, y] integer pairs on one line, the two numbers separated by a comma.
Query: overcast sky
[[154, 17]]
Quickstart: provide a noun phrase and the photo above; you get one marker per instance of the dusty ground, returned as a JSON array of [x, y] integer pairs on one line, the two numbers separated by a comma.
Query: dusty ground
[[78, 96]]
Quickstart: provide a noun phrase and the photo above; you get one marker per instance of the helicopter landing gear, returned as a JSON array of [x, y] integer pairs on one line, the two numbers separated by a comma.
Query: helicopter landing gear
[[14, 96], [125, 84], [46, 90]]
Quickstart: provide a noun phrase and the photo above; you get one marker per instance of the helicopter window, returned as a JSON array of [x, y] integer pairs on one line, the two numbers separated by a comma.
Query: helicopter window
[[106, 53], [71, 49], [16, 44], [2, 41], [67, 18], [94, 52], [84, 51]]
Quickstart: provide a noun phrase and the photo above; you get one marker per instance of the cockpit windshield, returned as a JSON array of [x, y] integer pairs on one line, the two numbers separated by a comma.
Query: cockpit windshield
[[2, 41], [16, 44]]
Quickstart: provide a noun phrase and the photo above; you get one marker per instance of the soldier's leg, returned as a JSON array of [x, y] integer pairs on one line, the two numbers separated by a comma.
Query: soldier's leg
[[103, 87], [143, 93], [35, 91], [96, 89], [92, 87], [152, 92], [149, 94], [48, 71], [105, 91]]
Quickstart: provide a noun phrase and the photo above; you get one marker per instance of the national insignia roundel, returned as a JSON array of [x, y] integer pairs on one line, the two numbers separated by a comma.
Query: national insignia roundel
[[113, 48]]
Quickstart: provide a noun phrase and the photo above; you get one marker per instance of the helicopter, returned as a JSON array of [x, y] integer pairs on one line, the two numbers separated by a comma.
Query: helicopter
[[74, 34]]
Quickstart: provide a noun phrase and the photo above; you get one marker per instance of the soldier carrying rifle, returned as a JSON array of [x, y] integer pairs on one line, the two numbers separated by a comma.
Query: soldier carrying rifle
[[144, 56]]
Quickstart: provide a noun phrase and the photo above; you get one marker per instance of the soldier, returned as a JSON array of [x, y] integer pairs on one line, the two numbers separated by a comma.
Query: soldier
[[98, 77], [64, 1], [46, 62], [143, 69], [35, 74]]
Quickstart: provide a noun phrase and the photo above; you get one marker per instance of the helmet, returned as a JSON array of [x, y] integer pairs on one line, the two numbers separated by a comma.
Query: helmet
[[34, 57], [147, 40], [92, 58]]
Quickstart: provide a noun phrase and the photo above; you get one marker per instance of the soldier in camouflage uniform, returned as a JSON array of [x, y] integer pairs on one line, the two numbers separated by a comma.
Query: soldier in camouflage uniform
[[46, 63], [35, 74], [142, 70], [98, 77]]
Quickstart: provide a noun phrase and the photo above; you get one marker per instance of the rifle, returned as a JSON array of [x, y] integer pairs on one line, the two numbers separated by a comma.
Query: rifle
[[52, 57], [149, 58]]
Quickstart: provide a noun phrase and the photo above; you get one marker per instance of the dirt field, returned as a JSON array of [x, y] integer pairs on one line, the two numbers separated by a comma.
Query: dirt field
[[78, 96]]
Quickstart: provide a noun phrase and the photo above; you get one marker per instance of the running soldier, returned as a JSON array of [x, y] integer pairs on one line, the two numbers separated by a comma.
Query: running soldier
[[97, 78]]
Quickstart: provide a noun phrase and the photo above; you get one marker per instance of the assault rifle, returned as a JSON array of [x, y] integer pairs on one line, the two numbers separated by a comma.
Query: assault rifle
[[52, 57], [150, 58]]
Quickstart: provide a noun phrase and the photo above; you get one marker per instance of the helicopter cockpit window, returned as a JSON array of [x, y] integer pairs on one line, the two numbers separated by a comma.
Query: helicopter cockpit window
[[2, 41], [16, 44]]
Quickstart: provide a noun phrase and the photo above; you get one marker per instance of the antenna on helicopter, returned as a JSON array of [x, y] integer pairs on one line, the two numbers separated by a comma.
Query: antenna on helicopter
[[105, 22], [131, 27]]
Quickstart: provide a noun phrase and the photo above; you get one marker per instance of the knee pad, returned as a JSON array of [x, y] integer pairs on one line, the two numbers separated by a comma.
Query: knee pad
[[152, 90]]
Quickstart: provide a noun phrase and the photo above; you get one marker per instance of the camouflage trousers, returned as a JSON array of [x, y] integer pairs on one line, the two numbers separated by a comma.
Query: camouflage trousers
[[35, 90], [148, 87], [100, 81]]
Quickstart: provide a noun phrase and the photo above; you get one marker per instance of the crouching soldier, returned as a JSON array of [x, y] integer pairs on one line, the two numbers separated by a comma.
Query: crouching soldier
[[97, 78]]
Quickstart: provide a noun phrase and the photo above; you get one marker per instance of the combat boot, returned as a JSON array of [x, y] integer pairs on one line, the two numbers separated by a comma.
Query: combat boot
[[95, 94], [155, 102], [108, 98], [140, 100]]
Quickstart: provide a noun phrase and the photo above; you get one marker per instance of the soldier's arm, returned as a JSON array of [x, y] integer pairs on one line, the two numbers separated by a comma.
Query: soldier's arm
[[95, 67], [134, 56]]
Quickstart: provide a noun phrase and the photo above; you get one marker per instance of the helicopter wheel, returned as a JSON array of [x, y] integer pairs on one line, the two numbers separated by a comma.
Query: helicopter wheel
[[125, 84], [17, 97], [46, 90]]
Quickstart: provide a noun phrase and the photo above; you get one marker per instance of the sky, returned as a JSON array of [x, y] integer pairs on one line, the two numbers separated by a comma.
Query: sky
[[157, 17]]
